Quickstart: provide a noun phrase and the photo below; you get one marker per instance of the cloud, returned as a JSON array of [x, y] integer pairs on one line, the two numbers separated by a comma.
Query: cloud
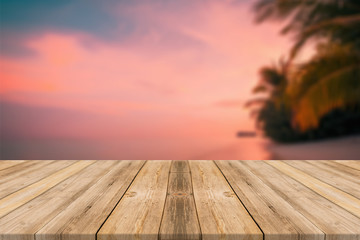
[[230, 103], [83, 15], [156, 73], [22, 20], [111, 21]]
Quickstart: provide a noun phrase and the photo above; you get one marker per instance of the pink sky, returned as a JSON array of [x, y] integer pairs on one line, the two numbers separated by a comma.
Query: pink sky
[[181, 74]]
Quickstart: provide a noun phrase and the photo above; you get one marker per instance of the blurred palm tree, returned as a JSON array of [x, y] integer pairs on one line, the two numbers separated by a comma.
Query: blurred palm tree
[[331, 79], [272, 112], [336, 20], [273, 82]]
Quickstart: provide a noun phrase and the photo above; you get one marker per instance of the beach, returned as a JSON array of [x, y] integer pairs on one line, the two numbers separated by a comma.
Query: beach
[[345, 148]]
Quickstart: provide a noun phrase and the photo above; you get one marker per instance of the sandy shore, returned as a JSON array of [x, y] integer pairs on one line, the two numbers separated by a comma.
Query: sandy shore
[[347, 148]]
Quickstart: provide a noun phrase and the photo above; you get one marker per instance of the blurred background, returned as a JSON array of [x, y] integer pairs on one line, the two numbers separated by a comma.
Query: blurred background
[[206, 79]]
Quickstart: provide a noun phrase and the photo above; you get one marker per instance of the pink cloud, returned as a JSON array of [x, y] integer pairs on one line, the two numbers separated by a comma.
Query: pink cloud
[[230, 103], [161, 81]]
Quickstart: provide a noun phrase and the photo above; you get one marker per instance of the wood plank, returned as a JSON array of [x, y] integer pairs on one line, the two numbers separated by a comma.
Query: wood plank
[[86, 214], [16, 199], [25, 221], [9, 163], [179, 166], [340, 169], [277, 219], [174, 201], [221, 214], [18, 168], [138, 214], [341, 198], [355, 164], [21, 179], [11, 177], [343, 170], [7, 176], [179, 219], [334, 221], [330, 175]]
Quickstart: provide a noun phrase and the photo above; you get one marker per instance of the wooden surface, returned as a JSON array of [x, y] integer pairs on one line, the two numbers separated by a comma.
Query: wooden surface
[[106, 200]]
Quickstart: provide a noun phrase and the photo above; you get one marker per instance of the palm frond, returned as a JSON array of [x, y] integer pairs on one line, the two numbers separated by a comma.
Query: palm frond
[[342, 20], [260, 89], [255, 101], [336, 90]]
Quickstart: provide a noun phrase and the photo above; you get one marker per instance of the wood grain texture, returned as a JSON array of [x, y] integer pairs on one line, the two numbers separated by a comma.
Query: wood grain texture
[[355, 164], [221, 214], [180, 166], [68, 200], [333, 220], [11, 177], [8, 175], [333, 167], [16, 199], [341, 198], [179, 220], [9, 163], [277, 219], [20, 179], [85, 215], [329, 174], [18, 168], [138, 214], [23, 222]]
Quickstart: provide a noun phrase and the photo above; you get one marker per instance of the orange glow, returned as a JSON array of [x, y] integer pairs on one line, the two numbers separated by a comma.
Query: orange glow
[[150, 85]]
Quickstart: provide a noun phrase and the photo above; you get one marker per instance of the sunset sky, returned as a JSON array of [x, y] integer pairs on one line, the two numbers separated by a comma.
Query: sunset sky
[[130, 71]]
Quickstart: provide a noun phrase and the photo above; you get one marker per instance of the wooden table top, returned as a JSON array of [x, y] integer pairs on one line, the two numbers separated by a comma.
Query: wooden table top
[[179, 200]]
